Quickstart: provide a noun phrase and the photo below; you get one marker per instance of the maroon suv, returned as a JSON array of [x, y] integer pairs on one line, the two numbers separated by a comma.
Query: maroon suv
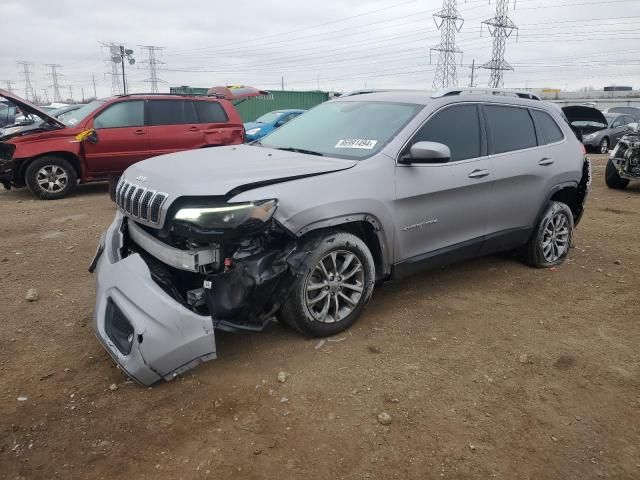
[[104, 137]]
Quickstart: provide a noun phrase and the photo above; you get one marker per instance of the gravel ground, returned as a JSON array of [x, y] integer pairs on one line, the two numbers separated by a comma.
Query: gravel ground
[[486, 369]]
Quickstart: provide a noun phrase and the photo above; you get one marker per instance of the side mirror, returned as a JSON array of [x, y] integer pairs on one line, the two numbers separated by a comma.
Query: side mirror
[[427, 152]]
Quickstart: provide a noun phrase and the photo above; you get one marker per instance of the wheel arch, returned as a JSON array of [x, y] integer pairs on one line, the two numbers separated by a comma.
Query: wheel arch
[[567, 193], [364, 226]]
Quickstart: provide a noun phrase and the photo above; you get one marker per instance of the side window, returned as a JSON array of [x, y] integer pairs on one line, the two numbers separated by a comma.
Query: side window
[[166, 112], [457, 127], [121, 114], [211, 112], [628, 119], [190, 114], [617, 123], [511, 128], [547, 126]]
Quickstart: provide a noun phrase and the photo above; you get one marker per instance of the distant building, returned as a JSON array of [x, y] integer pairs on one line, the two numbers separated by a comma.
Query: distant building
[[618, 88]]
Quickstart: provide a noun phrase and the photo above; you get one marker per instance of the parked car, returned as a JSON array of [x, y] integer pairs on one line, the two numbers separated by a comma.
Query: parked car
[[624, 164], [104, 137], [33, 122], [599, 131], [302, 225], [268, 122], [632, 111], [7, 113]]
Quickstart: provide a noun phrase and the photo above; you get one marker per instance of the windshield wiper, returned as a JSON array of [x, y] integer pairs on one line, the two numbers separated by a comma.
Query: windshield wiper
[[301, 150]]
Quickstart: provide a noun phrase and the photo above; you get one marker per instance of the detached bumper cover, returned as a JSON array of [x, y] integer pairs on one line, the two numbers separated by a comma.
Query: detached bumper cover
[[164, 338]]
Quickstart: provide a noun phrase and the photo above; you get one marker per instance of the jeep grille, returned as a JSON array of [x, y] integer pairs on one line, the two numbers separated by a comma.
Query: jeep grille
[[139, 202]]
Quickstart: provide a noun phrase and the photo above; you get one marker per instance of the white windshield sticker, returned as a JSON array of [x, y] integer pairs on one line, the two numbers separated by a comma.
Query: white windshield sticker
[[356, 143]]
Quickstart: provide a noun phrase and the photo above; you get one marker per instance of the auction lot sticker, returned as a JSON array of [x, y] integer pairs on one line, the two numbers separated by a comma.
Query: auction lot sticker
[[356, 143]]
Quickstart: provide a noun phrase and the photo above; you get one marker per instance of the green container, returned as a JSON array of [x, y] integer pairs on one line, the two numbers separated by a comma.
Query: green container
[[252, 108], [188, 90]]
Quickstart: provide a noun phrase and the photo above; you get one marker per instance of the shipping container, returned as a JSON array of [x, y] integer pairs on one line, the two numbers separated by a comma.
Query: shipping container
[[253, 108]]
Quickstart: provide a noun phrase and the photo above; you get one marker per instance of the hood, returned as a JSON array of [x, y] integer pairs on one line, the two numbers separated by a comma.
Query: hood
[[227, 171], [29, 107], [578, 113]]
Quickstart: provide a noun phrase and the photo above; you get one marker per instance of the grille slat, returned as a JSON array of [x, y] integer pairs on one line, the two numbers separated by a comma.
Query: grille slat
[[139, 202]]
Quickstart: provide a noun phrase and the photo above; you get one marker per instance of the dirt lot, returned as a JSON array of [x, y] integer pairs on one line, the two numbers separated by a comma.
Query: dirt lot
[[488, 369]]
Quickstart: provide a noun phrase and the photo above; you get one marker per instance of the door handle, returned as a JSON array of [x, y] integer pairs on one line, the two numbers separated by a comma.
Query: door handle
[[478, 173], [193, 129], [139, 132], [546, 161]]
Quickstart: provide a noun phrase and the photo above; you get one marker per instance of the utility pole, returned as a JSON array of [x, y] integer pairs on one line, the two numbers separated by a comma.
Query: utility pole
[[29, 93], [473, 71], [82, 89], [71, 92], [500, 27], [282, 82], [449, 22], [318, 84], [93, 79], [153, 64], [54, 77]]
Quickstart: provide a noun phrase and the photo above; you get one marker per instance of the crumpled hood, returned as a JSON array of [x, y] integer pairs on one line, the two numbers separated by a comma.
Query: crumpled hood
[[227, 170]]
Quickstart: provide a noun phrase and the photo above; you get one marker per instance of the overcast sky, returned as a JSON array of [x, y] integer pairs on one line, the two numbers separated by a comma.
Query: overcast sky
[[336, 45]]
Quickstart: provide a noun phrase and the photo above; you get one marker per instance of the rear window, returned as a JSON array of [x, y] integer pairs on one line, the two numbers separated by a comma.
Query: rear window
[[211, 112], [171, 112], [549, 129], [511, 128]]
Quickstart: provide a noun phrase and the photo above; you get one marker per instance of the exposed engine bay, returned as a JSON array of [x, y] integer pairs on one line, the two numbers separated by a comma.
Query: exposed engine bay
[[626, 156]]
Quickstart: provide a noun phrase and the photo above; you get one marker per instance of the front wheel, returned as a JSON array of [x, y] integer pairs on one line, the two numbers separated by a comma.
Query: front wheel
[[604, 145], [330, 296], [613, 179], [550, 243], [51, 177]]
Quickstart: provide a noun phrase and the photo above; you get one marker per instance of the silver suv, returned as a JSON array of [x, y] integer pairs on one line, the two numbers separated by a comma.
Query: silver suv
[[300, 226]]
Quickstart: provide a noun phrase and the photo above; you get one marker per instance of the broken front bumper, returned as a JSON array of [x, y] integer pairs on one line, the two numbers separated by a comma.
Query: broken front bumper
[[149, 334]]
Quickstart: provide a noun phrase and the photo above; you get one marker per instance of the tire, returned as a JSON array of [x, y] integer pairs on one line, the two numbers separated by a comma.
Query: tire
[[306, 309], [613, 179], [61, 181], [550, 243], [603, 148]]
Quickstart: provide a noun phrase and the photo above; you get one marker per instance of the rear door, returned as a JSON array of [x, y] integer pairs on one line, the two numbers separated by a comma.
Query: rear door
[[443, 207], [173, 126], [526, 164], [122, 138], [216, 125]]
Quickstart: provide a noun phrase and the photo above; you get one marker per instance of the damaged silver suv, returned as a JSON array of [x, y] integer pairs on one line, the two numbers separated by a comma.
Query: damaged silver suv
[[300, 226]]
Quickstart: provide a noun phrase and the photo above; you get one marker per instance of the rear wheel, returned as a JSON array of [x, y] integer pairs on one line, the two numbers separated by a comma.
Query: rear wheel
[[51, 177], [332, 293], [550, 243], [613, 179]]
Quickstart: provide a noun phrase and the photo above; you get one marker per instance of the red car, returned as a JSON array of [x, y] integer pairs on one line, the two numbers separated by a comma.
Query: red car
[[101, 139]]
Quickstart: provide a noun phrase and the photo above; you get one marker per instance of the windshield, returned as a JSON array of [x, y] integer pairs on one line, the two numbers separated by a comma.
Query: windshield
[[344, 129], [270, 117], [611, 118], [73, 118]]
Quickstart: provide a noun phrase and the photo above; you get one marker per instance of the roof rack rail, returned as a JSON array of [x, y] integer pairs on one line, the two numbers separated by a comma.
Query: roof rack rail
[[176, 94], [448, 92]]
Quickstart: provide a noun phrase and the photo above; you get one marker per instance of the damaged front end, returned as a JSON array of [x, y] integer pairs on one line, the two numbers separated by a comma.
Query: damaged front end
[[626, 156], [219, 265]]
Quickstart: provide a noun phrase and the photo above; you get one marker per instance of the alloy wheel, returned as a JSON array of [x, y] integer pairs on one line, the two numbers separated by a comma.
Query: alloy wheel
[[52, 178], [604, 146], [555, 238], [334, 287]]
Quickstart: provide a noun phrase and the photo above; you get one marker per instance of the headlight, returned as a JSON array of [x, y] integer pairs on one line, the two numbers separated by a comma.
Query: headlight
[[229, 215], [590, 136], [253, 131]]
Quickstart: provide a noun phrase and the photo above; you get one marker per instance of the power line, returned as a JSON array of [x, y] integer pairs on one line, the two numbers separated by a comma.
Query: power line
[[449, 22], [153, 64], [500, 27], [54, 77]]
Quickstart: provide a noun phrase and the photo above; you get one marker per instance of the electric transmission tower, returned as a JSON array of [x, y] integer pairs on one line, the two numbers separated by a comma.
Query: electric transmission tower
[[449, 22], [29, 92], [54, 78], [9, 84], [500, 27], [153, 64]]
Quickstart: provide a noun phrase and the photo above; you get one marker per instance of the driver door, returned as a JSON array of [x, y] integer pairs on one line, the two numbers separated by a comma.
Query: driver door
[[122, 138], [441, 209]]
